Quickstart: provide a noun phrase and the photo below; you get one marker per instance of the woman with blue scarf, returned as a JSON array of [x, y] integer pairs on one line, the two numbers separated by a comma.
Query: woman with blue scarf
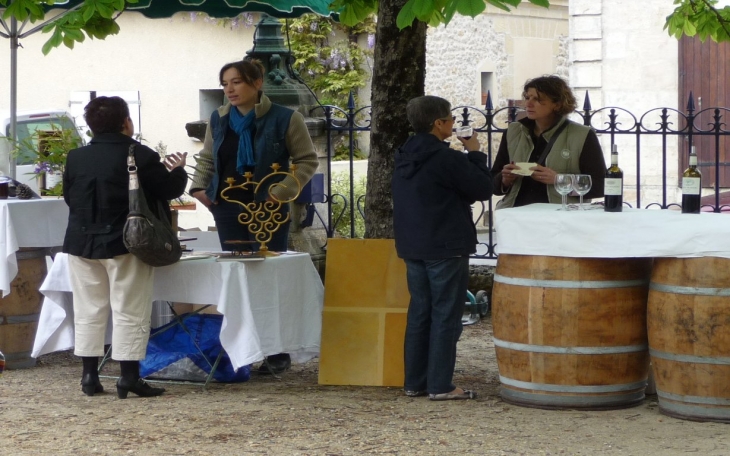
[[249, 134]]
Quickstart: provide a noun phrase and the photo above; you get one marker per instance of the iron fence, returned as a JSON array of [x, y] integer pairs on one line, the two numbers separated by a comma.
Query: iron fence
[[654, 136]]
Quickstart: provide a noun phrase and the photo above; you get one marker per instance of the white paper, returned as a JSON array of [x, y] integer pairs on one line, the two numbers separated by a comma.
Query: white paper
[[524, 169]]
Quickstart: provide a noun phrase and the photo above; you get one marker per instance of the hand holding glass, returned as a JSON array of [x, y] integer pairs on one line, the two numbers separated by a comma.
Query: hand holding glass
[[465, 131], [582, 185], [564, 185]]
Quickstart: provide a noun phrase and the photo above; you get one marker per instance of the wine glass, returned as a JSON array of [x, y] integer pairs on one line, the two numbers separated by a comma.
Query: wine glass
[[464, 131], [582, 185], [564, 185]]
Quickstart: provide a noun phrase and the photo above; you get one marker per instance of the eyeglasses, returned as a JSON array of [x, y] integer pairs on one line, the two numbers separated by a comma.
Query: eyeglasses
[[446, 119]]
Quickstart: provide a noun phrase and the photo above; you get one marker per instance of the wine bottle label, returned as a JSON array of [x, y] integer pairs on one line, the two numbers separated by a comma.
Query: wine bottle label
[[613, 186], [690, 185]]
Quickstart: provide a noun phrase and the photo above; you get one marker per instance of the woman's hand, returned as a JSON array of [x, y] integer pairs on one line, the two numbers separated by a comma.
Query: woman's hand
[[508, 178], [471, 144], [543, 174], [175, 160], [203, 198]]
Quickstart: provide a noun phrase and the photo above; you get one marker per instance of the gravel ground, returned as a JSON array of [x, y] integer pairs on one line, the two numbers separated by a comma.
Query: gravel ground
[[44, 412]]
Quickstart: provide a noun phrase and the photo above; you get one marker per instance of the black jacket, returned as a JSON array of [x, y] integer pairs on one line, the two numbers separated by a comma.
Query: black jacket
[[96, 189], [433, 190]]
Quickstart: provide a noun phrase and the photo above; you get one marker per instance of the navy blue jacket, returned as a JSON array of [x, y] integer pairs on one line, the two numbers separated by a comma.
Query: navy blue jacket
[[434, 187], [269, 145]]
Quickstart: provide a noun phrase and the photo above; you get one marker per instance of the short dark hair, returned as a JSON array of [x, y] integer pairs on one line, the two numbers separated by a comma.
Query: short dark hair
[[555, 88], [106, 114], [423, 111], [251, 70]]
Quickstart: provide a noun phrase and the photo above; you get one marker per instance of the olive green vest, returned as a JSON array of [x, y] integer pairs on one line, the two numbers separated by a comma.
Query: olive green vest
[[564, 157]]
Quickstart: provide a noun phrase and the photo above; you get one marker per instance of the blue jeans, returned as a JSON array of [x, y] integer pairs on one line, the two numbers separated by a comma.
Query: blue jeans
[[230, 229], [438, 296]]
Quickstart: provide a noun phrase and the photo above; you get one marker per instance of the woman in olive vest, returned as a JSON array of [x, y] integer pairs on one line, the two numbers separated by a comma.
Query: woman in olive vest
[[249, 134], [546, 137]]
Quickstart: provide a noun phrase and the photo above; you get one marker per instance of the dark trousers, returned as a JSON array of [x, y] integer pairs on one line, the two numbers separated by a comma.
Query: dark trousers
[[438, 296]]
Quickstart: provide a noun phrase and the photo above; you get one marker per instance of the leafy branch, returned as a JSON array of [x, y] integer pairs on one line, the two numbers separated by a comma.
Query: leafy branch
[[92, 18], [432, 12], [701, 18]]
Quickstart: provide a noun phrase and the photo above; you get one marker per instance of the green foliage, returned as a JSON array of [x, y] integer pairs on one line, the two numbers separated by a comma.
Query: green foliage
[[341, 185], [701, 18], [93, 17], [331, 67], [342, 150], [48, 149], [432, 12]]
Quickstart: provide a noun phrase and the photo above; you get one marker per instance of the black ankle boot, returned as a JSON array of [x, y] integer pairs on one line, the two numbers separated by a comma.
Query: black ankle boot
[[130, 381], [90, 383], [139, 387]]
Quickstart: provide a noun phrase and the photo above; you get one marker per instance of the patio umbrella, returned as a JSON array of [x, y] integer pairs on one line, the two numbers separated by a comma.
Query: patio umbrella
[[231, 8], [155, 9]]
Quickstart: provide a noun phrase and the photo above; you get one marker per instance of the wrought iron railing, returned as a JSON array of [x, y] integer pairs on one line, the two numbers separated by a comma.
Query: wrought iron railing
[[669, 128]]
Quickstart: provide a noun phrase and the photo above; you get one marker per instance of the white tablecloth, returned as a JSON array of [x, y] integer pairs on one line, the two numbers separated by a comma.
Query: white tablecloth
[[271, 306], [28, 223], [540, 229]]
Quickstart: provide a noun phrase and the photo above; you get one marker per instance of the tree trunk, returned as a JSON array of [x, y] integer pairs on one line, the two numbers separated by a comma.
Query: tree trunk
[[398, 75]]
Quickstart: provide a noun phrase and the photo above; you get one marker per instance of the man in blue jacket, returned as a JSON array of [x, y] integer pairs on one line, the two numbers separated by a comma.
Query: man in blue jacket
[[434, 187]]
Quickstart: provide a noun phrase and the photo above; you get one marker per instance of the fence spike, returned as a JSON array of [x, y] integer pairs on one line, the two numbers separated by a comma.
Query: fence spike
[[489, 106], [351, 102], [587, 102], [691, 102]]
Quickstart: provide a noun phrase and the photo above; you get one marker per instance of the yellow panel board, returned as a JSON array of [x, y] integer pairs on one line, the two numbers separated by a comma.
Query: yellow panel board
[[393, 367], [365, 273], [348, 353], [363, 322]]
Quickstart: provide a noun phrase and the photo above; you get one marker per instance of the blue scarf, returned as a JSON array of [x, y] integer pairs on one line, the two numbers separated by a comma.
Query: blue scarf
[[243, 126]]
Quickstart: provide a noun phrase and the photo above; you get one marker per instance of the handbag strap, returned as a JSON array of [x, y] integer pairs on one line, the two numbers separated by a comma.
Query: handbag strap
[[132, 169], [553, 138]]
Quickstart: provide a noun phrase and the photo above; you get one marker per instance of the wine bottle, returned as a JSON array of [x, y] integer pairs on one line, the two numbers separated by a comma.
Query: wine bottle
[[691, 186], [613, 185]]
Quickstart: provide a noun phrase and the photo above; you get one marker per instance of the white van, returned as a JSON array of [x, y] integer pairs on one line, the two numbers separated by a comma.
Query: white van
[[28, 123]]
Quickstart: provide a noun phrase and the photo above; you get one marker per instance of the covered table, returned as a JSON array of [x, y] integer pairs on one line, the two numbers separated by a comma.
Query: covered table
[[271, 306], [34, 223], [29, 227], [570, 298]]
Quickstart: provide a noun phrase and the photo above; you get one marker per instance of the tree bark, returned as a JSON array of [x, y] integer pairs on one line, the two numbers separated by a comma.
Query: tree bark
[[398, 75]]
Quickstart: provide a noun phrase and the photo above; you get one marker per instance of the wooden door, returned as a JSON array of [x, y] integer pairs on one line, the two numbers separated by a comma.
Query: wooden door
[[704, 70]]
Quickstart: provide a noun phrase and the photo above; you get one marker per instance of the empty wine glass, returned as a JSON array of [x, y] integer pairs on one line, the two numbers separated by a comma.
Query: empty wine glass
[[564, 185], [582, 185]]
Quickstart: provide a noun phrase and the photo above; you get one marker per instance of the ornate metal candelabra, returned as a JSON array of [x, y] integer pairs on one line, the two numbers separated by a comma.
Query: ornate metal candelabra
[[263, 218]]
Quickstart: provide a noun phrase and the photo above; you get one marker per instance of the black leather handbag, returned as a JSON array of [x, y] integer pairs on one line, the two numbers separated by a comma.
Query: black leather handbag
[[149, 238]]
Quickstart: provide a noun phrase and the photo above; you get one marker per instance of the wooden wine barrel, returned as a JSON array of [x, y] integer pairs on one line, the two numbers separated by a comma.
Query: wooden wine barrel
[[571, 332], [20, 310], [689, 337]]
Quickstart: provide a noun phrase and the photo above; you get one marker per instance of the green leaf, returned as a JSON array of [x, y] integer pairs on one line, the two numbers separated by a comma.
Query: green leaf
[[499, 4], [543, 3], [471, 8], [88, 13], [422, 8], [407, 15]]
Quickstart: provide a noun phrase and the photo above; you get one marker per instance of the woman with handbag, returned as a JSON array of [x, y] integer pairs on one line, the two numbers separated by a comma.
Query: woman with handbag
[[250, 134], [105, 277]]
